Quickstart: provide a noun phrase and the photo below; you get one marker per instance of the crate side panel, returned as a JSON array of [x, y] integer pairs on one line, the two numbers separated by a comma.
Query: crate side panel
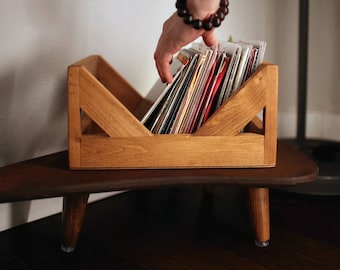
[[270, 117], [103, 108], [240, 109], [90, 63], [118, 86], [74, 121]]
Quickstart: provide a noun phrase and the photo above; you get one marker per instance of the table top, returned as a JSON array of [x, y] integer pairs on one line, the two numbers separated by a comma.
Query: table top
[[49, 176]]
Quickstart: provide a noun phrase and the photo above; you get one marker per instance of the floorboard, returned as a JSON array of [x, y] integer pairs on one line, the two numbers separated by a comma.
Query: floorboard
[[183, 228]]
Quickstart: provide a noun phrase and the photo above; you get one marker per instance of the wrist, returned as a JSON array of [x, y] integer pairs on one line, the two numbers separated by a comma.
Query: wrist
[[202, 9]]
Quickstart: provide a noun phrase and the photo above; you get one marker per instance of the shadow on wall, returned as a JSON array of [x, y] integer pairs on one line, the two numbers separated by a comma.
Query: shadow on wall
[[33, 103], [32, 134], [19, 213]]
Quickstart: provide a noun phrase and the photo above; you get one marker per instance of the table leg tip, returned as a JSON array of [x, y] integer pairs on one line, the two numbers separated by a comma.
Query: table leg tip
[[262, 243], [67, 249]]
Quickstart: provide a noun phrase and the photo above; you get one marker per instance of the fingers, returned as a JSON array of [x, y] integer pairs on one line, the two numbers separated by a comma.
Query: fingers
[[210, 38], [175, 35], [164, 51], [163, 62]]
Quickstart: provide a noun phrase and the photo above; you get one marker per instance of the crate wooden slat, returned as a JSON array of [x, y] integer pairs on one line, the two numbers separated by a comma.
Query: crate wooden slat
[[105, 131]]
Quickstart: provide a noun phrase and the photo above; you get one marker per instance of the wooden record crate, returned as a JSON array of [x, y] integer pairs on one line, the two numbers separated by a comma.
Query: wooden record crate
[[105, 131]]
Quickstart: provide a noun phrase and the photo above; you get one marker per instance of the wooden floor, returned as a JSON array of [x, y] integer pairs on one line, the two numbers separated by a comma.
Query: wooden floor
[[181, 229]]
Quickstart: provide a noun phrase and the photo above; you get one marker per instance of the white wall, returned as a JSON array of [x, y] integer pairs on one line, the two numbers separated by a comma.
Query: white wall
[[40, 38], [323, 97]]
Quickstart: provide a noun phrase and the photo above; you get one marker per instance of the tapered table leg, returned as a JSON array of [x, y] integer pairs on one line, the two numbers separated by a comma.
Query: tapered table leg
[[74, 208], [258, 202]]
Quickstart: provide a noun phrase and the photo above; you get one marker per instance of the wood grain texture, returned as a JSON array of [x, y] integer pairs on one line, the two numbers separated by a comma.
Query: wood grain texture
[[117, 85], [183, 229], [49, 176], [270, 115], [110, 102], [172, 151], [74, 119], [90, 63], [106, 110], [74, 208], [240, 109], [258, 205]]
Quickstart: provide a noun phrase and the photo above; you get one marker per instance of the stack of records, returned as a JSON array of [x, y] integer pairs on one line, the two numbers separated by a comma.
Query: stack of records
[[204, 78]]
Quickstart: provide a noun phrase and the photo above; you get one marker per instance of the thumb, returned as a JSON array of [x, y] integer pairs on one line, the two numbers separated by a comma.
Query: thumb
[[209, 38]]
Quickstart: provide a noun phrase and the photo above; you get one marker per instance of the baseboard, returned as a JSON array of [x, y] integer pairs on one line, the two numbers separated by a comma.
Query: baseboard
[[319, 124], [18, 213]]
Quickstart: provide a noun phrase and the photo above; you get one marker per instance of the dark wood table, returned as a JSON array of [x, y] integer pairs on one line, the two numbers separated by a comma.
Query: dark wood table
[[49, 176]]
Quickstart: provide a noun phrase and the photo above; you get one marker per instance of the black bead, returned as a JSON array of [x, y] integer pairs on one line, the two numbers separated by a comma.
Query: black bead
[[207, 25], [220, 14], [216, 22], [182, 12], [197, 24], [225, 10], [224, 3], [187, 19], [180, 4]]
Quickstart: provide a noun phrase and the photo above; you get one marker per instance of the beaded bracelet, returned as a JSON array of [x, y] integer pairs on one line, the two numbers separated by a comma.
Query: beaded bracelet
[[214, 20]]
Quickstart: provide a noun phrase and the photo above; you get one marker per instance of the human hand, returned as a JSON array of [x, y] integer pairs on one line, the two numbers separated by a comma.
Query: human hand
[[176, 35]]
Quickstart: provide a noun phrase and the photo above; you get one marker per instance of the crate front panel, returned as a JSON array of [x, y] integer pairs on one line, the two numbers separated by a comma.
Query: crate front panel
[[172, 151]]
